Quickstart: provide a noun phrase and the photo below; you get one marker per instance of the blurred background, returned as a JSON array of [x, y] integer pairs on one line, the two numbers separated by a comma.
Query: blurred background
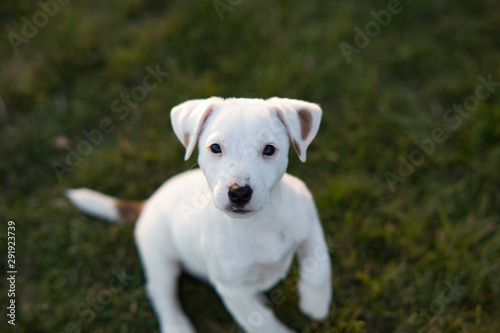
[[405, 168]]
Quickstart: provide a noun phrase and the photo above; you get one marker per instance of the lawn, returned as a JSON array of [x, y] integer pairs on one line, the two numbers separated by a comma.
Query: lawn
[[404, 170]]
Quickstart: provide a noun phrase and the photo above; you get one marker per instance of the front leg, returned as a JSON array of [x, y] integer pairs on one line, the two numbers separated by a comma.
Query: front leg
[[315, 285], [161, 270], [250, 313]]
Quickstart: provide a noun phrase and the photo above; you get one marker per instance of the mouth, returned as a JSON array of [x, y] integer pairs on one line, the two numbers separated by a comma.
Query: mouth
[[239, 212]]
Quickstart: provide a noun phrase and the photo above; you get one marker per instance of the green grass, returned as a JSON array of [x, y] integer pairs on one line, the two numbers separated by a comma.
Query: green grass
[[394, 253]]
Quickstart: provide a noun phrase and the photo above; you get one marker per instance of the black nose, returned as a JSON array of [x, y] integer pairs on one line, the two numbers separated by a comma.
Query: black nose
[[240, 195]]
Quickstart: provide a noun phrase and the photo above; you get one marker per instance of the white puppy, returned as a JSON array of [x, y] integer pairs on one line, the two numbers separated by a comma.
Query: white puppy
[[238, 221]]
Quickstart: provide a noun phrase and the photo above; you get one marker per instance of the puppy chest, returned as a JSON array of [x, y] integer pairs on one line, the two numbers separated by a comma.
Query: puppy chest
[[266, 275], [256, 263]]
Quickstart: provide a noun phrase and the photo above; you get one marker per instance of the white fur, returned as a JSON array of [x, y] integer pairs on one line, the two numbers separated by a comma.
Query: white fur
[[190, 223], [94, 203]]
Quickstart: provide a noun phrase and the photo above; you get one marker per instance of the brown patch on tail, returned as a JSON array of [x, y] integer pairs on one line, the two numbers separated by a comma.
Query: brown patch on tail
[[129, 210]]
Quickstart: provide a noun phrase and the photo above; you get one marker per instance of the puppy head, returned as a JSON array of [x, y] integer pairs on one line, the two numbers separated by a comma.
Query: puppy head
[[243, 145]]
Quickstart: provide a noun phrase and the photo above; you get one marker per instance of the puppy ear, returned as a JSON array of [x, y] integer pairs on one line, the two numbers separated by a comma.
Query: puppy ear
[[188, 119], [301, 120]]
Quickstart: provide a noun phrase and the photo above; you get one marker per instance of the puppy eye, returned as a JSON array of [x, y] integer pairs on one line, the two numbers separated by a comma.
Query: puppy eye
[[215, 148], [269, 150]]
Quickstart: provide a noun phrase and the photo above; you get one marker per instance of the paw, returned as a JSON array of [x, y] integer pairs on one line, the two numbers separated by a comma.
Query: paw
[[315, 301], [266, 324], [276, 329]]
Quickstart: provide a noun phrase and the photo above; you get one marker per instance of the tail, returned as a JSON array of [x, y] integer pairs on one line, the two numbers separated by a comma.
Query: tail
[[104, 206]]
